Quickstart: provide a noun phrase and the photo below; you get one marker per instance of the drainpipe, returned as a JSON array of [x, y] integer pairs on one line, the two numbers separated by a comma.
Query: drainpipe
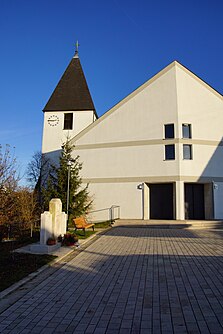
[[141, 187], [214, 187]]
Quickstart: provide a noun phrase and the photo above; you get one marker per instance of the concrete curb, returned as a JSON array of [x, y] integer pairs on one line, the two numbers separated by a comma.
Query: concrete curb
[[28, 278]]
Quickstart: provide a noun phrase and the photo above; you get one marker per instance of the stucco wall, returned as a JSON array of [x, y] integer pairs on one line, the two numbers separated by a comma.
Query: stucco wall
[[125, 195], [55, 136], [218, 200], [127, 144], [207, 161], [198, 105], [138, 117], [126, 162]]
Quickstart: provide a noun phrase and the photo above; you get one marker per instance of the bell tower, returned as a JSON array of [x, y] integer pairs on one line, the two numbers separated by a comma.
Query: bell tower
[[69, 110]]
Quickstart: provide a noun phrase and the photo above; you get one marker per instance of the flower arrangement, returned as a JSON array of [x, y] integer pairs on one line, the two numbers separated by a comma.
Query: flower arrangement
[[69, 239], [51, 241]]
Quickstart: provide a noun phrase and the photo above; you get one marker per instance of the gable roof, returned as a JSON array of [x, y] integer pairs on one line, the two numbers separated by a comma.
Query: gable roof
[[71, 93], [142, 87]]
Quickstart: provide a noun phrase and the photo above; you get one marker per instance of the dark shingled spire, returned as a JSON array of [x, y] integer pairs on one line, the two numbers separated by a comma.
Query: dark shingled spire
[[71, 93]]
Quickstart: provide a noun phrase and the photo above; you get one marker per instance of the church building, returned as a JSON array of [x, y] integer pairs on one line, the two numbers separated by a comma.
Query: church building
[[157, 154]]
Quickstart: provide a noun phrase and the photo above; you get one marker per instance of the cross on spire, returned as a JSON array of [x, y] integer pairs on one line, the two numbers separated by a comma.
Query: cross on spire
[[76, 50], [77, 46]]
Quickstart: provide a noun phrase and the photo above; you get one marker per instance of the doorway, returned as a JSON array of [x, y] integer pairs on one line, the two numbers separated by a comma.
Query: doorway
[[194, 201], [161, 201]]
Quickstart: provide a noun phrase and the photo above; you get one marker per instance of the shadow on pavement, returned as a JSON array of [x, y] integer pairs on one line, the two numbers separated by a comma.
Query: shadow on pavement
[[146, 285]]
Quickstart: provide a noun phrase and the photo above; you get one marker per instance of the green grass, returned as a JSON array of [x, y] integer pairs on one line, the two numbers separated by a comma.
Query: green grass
[[89, 232], [81, 235], [15, 266], [105, 224]]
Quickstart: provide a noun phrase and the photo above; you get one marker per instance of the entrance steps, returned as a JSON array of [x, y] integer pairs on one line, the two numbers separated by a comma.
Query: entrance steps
[[177, 224]]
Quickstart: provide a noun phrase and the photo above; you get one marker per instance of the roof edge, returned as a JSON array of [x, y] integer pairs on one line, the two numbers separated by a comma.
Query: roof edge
[[73, 64], [140, 88], [124, 100], [196, 77]]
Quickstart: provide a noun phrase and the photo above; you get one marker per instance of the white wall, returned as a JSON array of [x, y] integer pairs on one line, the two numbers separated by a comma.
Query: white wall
[[207, 161], [55, 136], [138, 117], [126, 146], [218, 200], [199, 105], [126, 195], [141, 117], [126, 162], [202, 107]]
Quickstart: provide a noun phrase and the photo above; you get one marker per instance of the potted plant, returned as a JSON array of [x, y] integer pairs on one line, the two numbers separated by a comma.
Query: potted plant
[[60, 238], [51, 241]]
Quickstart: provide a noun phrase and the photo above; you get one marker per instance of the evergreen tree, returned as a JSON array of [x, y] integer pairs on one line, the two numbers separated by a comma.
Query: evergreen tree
[[79, 202]]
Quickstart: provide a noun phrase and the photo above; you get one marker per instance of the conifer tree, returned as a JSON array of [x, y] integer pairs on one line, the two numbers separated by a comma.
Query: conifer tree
[[79, 202]]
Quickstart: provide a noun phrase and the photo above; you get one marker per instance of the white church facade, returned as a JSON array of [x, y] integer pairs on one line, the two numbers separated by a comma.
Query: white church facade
[[157, 154]]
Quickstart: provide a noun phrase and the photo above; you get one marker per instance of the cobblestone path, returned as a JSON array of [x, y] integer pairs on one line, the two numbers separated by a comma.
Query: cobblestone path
[[130, 280]]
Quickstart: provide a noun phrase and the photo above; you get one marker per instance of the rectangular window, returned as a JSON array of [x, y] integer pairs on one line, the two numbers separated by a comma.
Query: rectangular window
[[68, 121], [169, 131], [169, 152], [187, 152], [186, 130]]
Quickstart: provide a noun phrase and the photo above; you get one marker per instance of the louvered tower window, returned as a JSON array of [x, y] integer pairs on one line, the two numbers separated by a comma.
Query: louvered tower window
[[68, 121]]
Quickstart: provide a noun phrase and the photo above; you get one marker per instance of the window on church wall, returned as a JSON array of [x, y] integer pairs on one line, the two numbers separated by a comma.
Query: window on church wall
[[170, 152], [169, 131], [186, 130], [187, 152], [68, 121]]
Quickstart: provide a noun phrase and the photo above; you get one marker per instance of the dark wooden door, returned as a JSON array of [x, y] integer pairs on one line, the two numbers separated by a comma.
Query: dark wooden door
[[194, 201], [161, 201]]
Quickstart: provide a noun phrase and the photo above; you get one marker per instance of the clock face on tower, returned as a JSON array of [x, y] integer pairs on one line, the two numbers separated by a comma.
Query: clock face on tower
[[53, 120]]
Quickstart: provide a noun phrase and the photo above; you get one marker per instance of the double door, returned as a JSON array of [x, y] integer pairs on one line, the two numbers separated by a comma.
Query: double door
[[194, 201]]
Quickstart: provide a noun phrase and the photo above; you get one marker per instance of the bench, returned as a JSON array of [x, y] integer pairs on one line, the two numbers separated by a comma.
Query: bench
[[81, 224]]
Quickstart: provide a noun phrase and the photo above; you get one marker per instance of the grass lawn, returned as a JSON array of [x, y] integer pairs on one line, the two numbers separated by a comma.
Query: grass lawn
[[103, 224], [81, 234], [89, 232], [15, 266]]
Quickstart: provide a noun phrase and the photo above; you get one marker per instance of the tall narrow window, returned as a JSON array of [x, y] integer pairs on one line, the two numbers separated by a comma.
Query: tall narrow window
[[187, 152], [169, 131], [169, 152], [186, 130], [68, 121]]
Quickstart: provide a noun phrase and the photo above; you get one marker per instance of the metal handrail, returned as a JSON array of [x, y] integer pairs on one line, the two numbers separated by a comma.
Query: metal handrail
[[111, 213], [98, 210]]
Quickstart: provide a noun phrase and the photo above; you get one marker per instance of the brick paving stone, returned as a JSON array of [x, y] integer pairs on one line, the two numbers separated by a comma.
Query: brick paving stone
[[130, 280], [99, 330], [125, 331], [48, 330], [90, 329]]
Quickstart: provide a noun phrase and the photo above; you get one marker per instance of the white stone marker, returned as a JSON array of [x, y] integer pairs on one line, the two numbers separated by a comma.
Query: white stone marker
[[58, 217], [53, 224], [46, 227]]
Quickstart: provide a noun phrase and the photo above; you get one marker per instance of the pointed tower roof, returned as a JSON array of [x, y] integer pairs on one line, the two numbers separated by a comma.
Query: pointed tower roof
[[71, 93]]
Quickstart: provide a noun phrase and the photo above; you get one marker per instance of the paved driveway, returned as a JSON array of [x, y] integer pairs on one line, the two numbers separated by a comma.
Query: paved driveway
[[130, 280]]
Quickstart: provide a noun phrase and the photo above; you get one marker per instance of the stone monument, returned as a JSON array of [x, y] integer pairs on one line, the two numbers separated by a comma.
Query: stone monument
[[53, 224]]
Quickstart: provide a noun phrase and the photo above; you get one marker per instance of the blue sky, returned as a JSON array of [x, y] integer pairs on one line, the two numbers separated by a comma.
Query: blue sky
[[123, 43]]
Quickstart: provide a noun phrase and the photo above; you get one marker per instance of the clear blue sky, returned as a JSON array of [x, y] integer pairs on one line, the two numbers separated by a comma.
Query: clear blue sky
[[122, 44]]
